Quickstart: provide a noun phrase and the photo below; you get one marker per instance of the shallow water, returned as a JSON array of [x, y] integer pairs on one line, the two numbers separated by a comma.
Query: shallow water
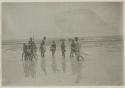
[[102, 66]]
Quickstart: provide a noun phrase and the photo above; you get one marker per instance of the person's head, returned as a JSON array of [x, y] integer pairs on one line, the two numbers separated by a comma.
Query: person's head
[[76, 39], [31, 39], [53, 41], [44, 38]]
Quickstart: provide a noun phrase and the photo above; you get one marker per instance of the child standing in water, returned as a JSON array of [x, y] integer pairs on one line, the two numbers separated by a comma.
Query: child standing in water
[[53, 48]]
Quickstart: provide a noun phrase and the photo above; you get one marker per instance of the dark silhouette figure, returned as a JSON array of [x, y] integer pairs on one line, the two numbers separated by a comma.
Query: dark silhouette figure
[[63, 48], [72, 52], [42, 48], [24, 51], [53, 48], [32, 49], [78, 52]]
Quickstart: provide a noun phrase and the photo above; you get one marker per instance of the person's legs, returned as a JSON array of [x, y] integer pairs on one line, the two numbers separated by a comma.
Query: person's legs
[[77, 56], [27, 56], [32, 55], [53, 53], [71, 53], [64, 53], [43, 54], [78, 59], [36, 55], [23, 55]]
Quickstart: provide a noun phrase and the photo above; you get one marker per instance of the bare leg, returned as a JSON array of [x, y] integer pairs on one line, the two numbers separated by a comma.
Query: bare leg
[[23, 55]]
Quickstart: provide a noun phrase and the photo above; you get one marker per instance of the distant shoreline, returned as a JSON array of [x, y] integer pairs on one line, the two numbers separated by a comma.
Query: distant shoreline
[[84, 39]]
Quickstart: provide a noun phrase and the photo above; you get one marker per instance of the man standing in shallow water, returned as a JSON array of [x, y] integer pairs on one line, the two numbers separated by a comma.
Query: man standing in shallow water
[[43, 47], [63, 48], [72, 52], [78, 50]]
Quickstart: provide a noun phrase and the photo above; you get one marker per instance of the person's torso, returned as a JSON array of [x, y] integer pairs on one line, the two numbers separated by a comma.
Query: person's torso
[[42, 47], [77, 46], [53, 46], [63, 46]]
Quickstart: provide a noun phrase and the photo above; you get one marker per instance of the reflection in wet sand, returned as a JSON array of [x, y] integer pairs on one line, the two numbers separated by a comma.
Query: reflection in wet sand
[[73, 65], [79, 71], [29, 68], [63, 64], [54, 65], [76, 68], [43, 65]]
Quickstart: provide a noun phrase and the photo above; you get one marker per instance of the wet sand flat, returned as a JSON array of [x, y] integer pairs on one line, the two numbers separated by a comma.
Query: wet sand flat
[[102, 66]]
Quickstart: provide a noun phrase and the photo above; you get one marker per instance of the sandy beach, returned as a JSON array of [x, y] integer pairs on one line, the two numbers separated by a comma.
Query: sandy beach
[[102, 66]]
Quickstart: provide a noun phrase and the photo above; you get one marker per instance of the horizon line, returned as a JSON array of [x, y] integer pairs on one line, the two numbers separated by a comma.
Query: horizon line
[[64, 37]]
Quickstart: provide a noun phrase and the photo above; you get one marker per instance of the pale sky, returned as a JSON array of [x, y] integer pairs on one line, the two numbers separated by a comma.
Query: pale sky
[[22, 20]]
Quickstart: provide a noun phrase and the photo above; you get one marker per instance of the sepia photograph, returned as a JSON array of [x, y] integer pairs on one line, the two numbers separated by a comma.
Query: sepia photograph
[[62, 44]]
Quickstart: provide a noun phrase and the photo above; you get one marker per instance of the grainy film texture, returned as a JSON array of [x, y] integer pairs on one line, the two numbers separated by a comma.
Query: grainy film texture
[[62, 43]]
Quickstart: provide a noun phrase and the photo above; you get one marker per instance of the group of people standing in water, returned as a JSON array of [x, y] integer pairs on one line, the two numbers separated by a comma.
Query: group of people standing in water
[[30, 49], [52, 47], [30, 56]]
